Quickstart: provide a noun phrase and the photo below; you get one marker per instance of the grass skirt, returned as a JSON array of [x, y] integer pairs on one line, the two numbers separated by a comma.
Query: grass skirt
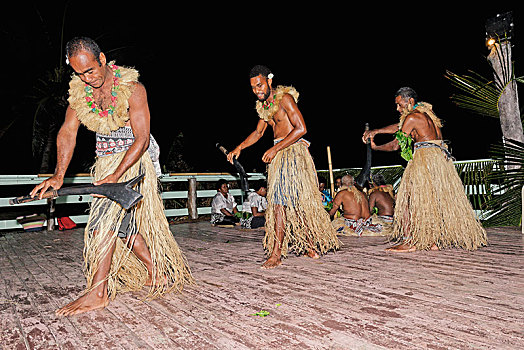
[[127, 272], [432, 207], [293, 189]]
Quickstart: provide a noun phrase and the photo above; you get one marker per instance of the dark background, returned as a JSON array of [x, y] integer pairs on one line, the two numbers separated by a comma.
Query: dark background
[[346, 61]]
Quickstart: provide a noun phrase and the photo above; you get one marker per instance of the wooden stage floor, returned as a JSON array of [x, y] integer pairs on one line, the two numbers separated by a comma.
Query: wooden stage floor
[[361, 297]]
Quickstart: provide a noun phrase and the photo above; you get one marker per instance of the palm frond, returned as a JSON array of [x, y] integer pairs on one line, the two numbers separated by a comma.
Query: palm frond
[[475, 176], [507, 179], [481, 94]]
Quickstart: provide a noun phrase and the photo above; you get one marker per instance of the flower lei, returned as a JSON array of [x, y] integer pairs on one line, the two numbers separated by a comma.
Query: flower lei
[[114, 95]]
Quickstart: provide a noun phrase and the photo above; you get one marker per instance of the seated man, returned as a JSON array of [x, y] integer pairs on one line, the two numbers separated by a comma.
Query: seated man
[[382, 202], [223, 207], [356, 217], [256, 206]]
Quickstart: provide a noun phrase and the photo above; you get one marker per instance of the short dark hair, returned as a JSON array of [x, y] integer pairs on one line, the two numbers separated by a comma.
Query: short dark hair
[[259, 70], [259, 184], [82, 43], [220, 183], [378, 179], [407, 93]]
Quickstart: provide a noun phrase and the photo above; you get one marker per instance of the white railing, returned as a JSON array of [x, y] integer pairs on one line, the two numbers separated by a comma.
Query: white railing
[[191, 194], [10, 180]]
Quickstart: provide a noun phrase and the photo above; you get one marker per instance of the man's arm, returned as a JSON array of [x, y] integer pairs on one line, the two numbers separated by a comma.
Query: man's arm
[[255, 212], [299, 127], [139, 119], [388, 147], [408, 127], [390, 129], [65, 146], [249, 141], [372, 201], [336, 204], [226, 212]]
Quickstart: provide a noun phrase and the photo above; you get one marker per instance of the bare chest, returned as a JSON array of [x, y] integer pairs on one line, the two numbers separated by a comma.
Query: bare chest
[[280, 124], [102, 98]]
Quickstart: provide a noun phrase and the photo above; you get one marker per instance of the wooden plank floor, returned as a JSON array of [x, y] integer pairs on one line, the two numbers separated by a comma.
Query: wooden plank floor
[[361, 297]]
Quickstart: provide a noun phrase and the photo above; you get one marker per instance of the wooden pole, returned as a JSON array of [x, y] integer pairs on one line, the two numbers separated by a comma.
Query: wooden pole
[[192, 199], [508, 104], [330, 172]]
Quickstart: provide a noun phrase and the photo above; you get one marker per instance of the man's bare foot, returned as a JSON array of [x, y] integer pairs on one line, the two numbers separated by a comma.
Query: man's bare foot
[[402, 248], [159, 281], [312, 253], [91, 301], [272, 262]]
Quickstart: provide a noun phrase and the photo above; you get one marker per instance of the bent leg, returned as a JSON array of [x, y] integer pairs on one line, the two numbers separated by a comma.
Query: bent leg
[[139, 247]]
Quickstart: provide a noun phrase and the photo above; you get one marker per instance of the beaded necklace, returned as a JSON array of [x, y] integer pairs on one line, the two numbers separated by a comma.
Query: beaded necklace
[[267, 105], [114, 95]]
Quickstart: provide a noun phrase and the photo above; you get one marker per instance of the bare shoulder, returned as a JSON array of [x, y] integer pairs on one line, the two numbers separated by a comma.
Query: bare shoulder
[[341, 195], [139, 92], [71, 117], [287, 100], [416, 116]]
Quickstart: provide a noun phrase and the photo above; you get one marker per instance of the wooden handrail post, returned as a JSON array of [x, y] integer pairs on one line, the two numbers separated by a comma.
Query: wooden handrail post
[[192, 199], [51, 202]]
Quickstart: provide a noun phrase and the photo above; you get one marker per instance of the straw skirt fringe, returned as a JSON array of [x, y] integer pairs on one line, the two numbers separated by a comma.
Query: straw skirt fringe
[[293, 189], [432, 207], [127, 272]]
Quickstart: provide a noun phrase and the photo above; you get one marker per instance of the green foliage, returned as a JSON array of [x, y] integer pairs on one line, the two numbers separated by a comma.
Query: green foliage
[[505, 203], [481, 94], [497, 185], [261, 313], [475, 177], [405, 142]]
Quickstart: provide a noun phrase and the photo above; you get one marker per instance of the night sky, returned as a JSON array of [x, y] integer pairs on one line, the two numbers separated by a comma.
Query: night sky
[[194, 62]]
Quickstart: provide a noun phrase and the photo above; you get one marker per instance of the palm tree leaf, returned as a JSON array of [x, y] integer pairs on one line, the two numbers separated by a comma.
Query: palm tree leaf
[[505, 204], [481, 94]]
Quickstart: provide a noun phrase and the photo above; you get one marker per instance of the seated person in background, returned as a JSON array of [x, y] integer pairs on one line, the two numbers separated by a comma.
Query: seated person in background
[[338, 183], [326, 197], [256, 206], [223, 207], [356, 217], [382, 202]]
